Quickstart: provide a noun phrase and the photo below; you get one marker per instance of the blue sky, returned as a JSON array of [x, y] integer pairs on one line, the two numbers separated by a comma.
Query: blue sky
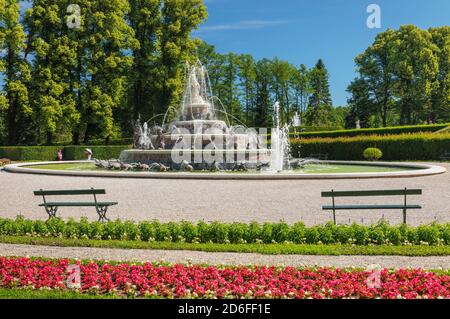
[[301, 31]]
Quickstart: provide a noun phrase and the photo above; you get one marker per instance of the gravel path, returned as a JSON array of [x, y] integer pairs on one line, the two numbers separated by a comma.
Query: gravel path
[[228, 201], [196, 257]]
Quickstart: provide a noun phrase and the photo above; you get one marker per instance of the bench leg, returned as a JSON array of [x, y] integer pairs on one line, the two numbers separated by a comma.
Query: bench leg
[[101, 211], [51, 211]]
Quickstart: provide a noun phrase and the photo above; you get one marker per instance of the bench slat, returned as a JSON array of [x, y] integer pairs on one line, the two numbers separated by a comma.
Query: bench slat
[[78, 204], [70, 192], [392, 192], [361, 207]]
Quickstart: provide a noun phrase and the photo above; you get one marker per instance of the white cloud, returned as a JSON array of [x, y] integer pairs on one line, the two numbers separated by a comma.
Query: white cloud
[[242, 25]]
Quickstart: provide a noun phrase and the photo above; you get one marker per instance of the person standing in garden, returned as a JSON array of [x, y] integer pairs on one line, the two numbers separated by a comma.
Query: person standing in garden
[[59, 156], [88, 152]]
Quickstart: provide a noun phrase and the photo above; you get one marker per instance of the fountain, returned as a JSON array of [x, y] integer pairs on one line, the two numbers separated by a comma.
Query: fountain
[[280, 146], [198, 140], [197, 136]]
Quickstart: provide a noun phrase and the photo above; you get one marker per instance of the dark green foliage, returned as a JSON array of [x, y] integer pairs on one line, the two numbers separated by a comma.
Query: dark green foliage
[[189, 231], [106, 142], [419, 146], [253, 232], [29, 153], [48, 153], [372, 154], [377, 131], [297, 233], [236, 232], [146, 231], [101, 152]]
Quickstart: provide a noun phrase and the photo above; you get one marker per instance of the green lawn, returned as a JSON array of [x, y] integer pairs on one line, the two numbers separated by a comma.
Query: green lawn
[[309, 169], [48, 294], [266, 249]]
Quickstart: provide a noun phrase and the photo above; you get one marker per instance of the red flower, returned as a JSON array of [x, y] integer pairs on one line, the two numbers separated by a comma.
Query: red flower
[[190, 281]]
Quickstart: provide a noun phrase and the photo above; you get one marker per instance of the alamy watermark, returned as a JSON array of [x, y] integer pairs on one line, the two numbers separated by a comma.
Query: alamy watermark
[[73, 277], [73, 20], [374, 19], [245, 145], [374, 279]]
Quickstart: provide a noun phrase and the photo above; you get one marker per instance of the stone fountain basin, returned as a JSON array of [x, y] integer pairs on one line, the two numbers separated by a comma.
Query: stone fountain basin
[[195, 156], [205, 137], [418, 170]]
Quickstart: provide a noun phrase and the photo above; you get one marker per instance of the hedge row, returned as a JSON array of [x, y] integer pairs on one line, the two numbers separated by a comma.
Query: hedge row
[[377, 131], [379, 234], [103, 142], [29, 153], [48, 153], [419, 146], [102, 152]]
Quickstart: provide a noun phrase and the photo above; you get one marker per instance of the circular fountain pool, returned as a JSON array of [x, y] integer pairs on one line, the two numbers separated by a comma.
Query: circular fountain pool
[[324, 170]]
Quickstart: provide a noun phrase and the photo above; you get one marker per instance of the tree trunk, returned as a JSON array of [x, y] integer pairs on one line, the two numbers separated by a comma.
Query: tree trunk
[[49, 138], [12, 127], [76, 137]]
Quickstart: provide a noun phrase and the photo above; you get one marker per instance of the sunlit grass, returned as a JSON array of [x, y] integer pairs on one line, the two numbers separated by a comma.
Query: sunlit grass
[[309, 169]]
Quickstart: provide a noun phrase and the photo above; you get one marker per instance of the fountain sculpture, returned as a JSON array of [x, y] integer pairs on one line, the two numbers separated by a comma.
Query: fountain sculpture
[[197, 137]]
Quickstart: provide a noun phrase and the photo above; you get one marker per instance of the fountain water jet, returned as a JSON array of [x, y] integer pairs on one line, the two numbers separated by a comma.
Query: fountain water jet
[[280, 145]]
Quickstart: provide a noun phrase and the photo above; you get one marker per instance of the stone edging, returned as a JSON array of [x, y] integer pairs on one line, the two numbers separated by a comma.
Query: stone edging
[[422, 170]]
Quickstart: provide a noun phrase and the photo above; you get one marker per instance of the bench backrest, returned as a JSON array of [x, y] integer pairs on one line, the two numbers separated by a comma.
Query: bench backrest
[[91, 191], [389, 192]]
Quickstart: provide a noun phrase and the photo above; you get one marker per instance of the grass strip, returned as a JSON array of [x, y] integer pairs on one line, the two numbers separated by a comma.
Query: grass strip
[[265, 249], [15, 293]]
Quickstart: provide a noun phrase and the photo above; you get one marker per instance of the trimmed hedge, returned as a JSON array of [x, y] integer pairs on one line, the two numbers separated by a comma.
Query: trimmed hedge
[[316, 129], [419, 146], [377, 131], [216, 232], [103, 142], [102, 152], [48, 153], [29, 153]]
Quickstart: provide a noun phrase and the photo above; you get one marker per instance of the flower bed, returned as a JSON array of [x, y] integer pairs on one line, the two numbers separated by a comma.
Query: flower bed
[[194, 281]]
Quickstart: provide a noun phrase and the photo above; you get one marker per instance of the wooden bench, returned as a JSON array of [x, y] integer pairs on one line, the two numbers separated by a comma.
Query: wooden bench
[[445, 157], [51, 207], [369, 193]]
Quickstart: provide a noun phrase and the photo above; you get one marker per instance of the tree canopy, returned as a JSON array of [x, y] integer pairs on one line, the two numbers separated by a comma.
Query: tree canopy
[[403, 78], [121, 60]]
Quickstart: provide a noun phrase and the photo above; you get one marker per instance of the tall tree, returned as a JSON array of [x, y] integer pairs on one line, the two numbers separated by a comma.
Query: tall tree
[[282, 73], [109, 38], [361, 104], [247, 72], [230, 96], [320, 103], [179, 18], [215, 64], [416, 69], [375, 67], [145, 19], [440, 109], [263, 100], [302, 90], [53, 59], [15, 108]]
